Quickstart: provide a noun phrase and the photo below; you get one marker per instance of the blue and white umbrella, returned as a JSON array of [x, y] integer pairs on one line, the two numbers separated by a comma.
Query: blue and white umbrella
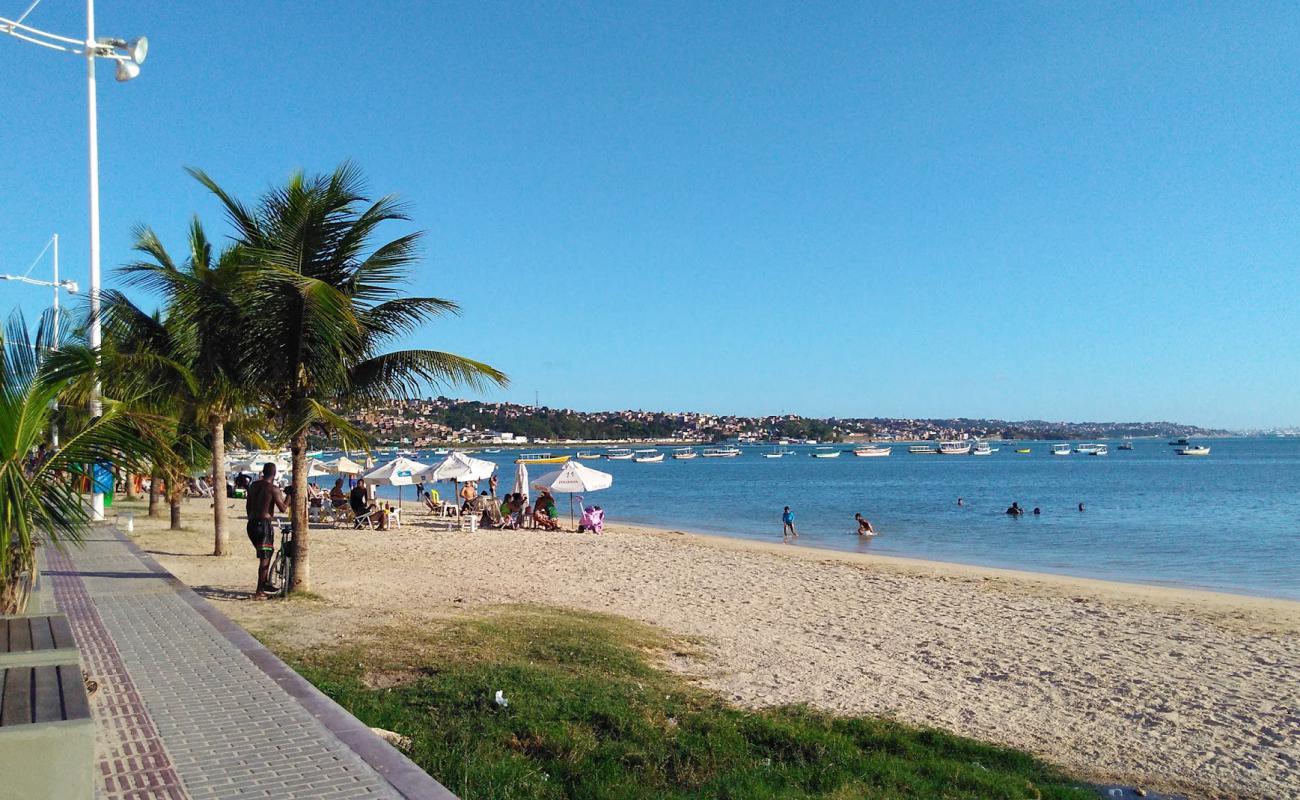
[[399, 472]]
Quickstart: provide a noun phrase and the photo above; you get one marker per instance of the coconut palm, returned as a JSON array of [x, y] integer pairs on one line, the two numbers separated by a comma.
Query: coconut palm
[[327, 301], [40, 497], [205, 308], [148, 358]]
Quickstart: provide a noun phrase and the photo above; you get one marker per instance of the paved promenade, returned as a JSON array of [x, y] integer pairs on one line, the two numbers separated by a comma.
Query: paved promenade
[[190, 706]]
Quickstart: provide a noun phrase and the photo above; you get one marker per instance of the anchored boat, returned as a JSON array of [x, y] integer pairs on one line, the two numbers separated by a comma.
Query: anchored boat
[[619, 454], [648, 457], [1060, 449], [1194, 450], [540, 458], [871, 451], [684, 453]]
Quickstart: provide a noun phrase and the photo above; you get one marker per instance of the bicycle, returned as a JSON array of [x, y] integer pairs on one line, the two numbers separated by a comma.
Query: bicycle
[[283, 560]]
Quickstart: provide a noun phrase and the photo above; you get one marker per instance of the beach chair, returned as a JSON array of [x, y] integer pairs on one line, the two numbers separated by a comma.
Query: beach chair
[[467, 522], [358, 521]]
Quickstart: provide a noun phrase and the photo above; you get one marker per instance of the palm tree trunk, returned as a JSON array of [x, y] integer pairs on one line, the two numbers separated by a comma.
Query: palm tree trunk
[[175, 494], [298, 514], [155, 506], [221, 543]]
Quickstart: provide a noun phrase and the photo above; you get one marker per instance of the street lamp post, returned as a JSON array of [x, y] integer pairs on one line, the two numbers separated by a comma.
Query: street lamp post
[[69, 286], [129, 56]]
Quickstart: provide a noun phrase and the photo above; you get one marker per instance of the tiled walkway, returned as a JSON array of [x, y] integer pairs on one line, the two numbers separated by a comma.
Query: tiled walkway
[[191, 706]]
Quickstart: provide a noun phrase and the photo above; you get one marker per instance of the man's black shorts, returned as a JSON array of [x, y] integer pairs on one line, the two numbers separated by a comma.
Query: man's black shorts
[[261, 532]]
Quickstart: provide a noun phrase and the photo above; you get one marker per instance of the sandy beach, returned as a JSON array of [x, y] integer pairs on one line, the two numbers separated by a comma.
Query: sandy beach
[[1161, 688]]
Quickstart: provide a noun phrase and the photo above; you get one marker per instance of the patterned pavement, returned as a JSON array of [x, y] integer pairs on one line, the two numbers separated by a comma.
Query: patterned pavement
[[191, 706]]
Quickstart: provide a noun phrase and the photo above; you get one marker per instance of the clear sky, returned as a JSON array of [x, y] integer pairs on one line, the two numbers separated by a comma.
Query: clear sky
[[1061, 212]]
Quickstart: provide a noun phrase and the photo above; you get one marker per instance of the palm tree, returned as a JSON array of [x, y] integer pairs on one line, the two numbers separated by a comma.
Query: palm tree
[[39, 489], [148, 358], [327, 301], [204, 298]]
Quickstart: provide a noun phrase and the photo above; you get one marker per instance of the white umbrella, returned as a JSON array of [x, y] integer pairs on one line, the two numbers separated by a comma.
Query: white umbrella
[[399, 472], [255, 465], [316, 469], [459, 467], [345, 466], [521, 482], [574, 477]]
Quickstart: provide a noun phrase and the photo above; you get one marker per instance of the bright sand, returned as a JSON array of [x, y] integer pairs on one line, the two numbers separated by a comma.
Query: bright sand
[[1163, 688]]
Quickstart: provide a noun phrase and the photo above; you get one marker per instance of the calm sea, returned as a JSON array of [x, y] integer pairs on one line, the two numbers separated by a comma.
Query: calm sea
[[1229, 521]]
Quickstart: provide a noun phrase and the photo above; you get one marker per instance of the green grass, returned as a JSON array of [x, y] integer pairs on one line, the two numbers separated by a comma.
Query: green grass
[[591, 717]]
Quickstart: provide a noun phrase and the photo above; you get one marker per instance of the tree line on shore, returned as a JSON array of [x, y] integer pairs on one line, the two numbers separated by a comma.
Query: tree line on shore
[[272, 336]]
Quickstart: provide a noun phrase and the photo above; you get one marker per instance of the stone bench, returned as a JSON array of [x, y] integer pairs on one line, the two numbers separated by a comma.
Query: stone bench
[[47, 736], [27, 641]]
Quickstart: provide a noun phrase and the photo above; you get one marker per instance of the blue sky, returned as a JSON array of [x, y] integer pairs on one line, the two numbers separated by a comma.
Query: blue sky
[[830, 209]]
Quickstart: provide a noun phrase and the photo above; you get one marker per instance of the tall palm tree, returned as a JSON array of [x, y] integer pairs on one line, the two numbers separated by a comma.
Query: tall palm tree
[[204, 296], [327, 301], [148, 358], [39, 491]]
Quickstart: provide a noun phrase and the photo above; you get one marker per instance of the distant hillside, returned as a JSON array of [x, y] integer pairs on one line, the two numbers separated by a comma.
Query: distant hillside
[[443, 419]]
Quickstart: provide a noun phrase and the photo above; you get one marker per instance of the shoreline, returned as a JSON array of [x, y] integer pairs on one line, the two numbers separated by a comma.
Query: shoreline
[[966, 569]]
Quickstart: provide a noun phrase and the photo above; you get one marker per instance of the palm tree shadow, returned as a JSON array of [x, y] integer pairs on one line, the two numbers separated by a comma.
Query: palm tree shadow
[[221, 593]]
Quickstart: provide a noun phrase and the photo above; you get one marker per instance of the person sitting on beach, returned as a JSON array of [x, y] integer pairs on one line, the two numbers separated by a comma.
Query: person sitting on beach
[[338, 497], [545, 514], [1015, 510], [518, 510], [315, 497], [359, 500], [864, 527]]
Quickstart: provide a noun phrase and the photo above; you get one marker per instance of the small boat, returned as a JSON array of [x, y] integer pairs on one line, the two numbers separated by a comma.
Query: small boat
[[1182, 442], [540, 458], [826, 452], [777, 453], [1024, 450], [684, 453], [720, 452], [923, 450], [872, 451], [1125, 445], [619, 454], [1060, 449], [954, 448], [1099, 450], [588, 456], [982, 449], [1194, 450], [1086, 448], [648, 457], [442, 451], [492, 450]]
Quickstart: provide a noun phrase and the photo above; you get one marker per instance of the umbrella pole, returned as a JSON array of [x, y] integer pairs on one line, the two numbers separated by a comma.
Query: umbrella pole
[[571, 523]]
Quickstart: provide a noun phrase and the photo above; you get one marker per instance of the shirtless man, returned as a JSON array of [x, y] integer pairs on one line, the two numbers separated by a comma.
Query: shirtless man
[[864, 527], [264, 498]]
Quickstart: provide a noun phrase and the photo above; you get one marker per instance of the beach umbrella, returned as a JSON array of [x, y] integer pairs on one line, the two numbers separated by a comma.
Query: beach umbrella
[[345, 466], [317, 469], [255, 464], [459, 468], [572, 478], [399, 472], [521, 482]]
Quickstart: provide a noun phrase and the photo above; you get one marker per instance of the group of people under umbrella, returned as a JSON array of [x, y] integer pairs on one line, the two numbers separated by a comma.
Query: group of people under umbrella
[[572, 478]]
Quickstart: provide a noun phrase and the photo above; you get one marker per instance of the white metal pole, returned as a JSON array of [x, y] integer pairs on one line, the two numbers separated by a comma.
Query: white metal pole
[[54, 428], [97, 499]]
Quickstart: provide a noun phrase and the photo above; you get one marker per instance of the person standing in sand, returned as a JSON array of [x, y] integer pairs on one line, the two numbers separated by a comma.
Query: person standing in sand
[[787, 522], [264, 498]]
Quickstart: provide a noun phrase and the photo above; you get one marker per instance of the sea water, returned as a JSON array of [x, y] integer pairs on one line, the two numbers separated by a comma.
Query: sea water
[[1229, 521]]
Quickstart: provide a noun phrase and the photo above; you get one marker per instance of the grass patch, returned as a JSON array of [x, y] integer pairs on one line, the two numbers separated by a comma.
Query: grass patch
[[591, 717]]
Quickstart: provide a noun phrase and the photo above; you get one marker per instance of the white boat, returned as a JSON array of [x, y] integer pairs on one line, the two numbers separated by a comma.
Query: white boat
[[720, 452], [1194, 450], [826, 452], [684, 453], [619, 454], [954, 448], [871, 451], [586, 455], [779, 452], [1125, 445], [1100, 450], [492, 450], [1060, 449], [648, 457], [442, 451], [923, 450], [1087, 448], [982, 449]]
